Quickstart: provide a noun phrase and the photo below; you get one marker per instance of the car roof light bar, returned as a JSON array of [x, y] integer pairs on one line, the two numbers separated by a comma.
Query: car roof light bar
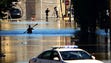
[[67, 46]]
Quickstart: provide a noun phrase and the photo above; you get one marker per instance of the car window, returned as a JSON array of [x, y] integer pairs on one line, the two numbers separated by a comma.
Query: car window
[[84, 55], [55, 54], [74, 55], [45, 55]]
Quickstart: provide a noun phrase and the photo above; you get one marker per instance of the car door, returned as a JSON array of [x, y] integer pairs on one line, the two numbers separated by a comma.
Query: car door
[[55, 57], [45, 57]]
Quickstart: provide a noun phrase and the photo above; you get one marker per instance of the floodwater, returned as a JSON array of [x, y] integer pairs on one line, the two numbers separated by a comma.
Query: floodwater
[[19, 47]]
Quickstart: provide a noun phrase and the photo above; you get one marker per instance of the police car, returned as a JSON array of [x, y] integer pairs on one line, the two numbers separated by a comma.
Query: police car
[[65, 54]]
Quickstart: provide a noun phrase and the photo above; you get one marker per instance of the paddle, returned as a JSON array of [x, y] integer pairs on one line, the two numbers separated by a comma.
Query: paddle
[[32, 27]]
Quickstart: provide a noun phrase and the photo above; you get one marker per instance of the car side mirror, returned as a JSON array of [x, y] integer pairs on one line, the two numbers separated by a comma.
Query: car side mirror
[[56, 58], [93, 57]]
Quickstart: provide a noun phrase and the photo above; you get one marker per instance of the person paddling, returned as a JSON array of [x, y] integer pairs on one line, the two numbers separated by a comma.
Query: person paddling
[[29, 30]]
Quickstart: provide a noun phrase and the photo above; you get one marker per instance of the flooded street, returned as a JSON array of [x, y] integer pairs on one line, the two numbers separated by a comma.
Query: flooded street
[[19, 47], [66, 22]]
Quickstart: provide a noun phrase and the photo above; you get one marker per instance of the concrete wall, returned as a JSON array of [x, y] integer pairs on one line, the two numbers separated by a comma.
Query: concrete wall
[[30, 9], [37, 8]]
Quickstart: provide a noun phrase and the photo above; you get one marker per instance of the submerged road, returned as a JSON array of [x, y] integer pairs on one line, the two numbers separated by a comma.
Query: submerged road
[[19, 47]]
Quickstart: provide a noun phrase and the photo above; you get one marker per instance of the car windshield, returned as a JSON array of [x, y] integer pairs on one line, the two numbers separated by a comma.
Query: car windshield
[[75, 55]]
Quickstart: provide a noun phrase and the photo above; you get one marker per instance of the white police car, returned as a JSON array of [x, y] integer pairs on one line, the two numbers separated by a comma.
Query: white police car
[[64, 54]]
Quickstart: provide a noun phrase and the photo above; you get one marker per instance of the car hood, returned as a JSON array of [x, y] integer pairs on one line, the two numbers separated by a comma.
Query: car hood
[[84, 61]]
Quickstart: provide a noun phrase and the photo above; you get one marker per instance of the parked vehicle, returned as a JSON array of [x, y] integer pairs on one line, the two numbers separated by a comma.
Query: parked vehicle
[[15, 13]]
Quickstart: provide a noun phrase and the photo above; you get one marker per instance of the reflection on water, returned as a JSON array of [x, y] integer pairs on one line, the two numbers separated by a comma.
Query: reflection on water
[[21, 49]]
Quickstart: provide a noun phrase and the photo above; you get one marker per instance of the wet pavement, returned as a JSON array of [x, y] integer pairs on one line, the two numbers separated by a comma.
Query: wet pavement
[[19, 47]]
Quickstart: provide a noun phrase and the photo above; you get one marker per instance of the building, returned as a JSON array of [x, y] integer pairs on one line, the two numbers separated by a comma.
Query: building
[[35, 9]]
